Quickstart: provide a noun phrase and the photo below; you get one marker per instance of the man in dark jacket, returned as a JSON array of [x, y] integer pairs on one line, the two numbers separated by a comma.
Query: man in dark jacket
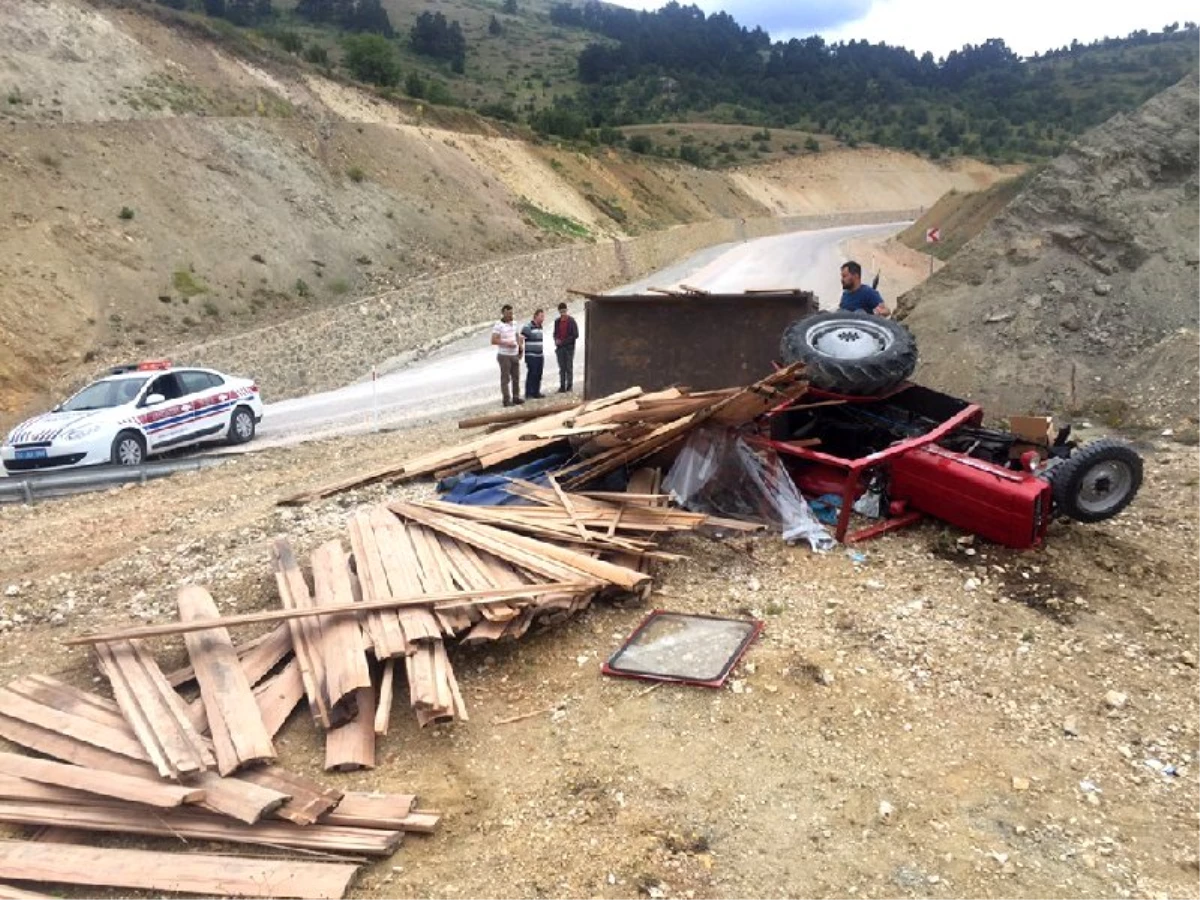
[[532, 333], [566, 333]]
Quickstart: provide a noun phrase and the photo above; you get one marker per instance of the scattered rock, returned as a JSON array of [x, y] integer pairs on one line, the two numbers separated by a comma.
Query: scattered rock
[[887, 812], [1056, 285], [12, 590], [1115, 700], [1019, 783], [1071, 726], [971, 584], [1102, 288]]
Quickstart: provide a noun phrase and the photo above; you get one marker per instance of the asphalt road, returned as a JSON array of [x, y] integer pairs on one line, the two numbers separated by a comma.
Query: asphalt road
[[463, 375]]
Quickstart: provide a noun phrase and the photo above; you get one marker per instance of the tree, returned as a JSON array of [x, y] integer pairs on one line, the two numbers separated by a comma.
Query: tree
[[414, 85], [494, 27], [370, 58], [432, 35]]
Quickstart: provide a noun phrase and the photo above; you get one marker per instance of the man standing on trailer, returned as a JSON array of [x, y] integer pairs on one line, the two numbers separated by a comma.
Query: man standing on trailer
[[508, 342], [531, 336], [566, 333]]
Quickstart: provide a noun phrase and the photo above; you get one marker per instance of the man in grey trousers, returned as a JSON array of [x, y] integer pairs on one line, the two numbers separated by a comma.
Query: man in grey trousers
[[508, 342]]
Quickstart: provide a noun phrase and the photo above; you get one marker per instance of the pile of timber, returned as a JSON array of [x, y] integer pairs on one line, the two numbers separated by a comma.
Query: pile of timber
[[604, 435], [151, 763], [417, 577], [189, 754]]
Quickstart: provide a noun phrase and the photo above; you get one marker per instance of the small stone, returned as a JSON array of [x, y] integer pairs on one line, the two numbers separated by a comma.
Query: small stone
[[754, 584], [971, 584], [12, 590], [1019, 783], [1115, 700], [1071, 726], [1057, 286], [825, 677], [875, 584], [1102, 288], [887, 812], [1188, 658]]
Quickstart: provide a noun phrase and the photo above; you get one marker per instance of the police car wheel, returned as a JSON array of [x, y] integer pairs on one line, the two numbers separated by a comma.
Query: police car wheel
[[128, 449], [241, 426]]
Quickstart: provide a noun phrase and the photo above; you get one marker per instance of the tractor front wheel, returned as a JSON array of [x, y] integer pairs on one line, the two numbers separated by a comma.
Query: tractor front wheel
[[1098, 480]]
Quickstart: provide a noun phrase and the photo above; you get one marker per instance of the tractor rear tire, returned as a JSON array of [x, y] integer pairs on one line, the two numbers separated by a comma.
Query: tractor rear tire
[[1097, 481], [851, 353]]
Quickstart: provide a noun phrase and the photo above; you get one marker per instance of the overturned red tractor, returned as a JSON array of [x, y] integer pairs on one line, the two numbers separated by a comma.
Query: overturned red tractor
[[865, 433]]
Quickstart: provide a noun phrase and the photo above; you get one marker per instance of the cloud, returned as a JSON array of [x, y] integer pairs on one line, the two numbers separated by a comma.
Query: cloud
[[789, 17], [782, 19]]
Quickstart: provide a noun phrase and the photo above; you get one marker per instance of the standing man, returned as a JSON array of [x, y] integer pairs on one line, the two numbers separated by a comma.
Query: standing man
[[531, 339], [566, 333], [859, 297], [507, 341]]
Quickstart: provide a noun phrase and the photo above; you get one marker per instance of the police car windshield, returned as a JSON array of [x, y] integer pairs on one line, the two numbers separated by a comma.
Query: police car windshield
[[105, 394]]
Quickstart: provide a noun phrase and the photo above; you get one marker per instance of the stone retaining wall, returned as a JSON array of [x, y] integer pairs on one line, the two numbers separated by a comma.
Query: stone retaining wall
[[337, 346]]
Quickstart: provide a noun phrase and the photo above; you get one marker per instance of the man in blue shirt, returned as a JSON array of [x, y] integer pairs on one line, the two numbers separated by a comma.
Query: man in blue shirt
[[859, 297]]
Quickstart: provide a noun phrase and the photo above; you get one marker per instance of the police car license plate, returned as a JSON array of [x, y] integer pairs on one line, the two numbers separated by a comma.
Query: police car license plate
[[39, 453]]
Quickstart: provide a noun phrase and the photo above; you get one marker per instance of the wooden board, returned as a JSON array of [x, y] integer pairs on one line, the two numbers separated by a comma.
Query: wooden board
[[454, 600], [228, 796], [352, 746], [384, 625], [278, 696], [383, 711], [99, 782], [239, 735], [191, 873], [295, 596], [343, 657], [308, 800], [187, 824], [156, 713], [179, 677]]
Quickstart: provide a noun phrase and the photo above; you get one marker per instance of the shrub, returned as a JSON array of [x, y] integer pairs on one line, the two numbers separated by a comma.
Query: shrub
[[356, 174], [641, 143], [316, 54], [371, 58], [812, 145], [125, 213], [302, 289], [188, 284]]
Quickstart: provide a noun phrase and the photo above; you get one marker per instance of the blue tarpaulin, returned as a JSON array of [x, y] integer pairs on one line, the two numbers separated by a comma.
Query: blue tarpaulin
[[490, 489]]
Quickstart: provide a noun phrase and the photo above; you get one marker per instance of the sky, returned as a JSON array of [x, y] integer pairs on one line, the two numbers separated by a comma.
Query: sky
[[939, 26]]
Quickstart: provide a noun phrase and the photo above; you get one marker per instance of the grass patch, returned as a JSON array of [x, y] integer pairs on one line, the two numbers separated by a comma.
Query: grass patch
[[356, 174], [188, 284], [552, 222], [338, 286]]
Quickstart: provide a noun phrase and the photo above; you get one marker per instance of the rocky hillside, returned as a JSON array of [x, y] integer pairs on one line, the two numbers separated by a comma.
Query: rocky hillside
[[1082, 294], [164, 186]]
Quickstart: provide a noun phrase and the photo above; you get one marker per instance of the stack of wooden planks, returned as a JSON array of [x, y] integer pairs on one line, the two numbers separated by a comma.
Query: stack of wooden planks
[[370, 617], [143, 765], [607, 434]]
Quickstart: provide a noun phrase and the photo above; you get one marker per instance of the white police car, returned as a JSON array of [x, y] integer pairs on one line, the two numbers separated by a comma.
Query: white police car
[[136, 412]]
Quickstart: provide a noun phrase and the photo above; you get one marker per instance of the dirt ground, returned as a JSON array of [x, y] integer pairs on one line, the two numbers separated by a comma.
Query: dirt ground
[[928, 721]]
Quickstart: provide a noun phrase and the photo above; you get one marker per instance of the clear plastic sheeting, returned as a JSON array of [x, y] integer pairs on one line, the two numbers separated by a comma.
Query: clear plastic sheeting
[[717, 472]]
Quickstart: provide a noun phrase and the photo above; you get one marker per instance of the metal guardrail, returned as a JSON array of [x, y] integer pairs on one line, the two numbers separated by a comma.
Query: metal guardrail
[[29, 488]]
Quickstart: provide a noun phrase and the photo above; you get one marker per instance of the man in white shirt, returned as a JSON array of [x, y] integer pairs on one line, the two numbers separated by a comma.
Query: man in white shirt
[[509, 347]]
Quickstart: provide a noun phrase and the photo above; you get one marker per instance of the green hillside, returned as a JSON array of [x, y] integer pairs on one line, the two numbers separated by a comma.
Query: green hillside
[[588, 72]]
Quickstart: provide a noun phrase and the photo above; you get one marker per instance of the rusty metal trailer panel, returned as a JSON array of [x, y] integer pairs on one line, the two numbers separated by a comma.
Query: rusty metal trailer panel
[[687, 337]]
